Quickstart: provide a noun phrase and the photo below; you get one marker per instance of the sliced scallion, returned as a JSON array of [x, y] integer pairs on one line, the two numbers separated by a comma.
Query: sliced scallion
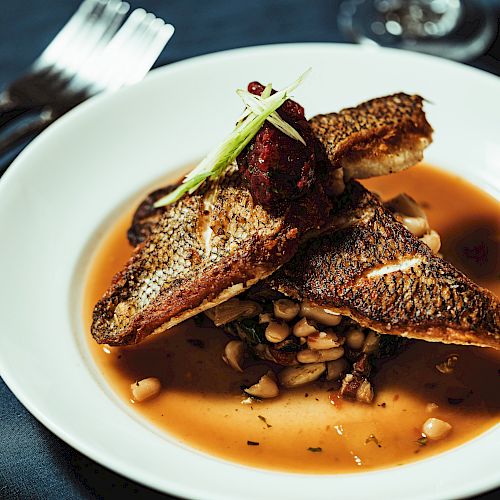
[[259, 109]]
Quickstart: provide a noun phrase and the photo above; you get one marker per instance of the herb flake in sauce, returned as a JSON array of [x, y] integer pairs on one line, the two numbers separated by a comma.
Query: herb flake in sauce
[[422, 441], [373, 439], [264, 420]]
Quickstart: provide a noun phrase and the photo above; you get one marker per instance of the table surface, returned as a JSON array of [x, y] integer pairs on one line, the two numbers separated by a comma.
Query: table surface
[[34, 463]]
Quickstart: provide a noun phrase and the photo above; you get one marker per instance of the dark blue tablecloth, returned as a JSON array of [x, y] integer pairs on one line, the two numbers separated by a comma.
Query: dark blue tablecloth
[[33, 462]]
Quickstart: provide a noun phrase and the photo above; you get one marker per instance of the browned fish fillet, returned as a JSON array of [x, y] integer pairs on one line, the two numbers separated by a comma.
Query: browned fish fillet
[[371, 268], [378, 137], [204, 249], [214, 244]]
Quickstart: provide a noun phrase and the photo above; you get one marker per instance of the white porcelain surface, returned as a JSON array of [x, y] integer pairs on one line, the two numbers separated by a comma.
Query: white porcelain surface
[[61, 194]]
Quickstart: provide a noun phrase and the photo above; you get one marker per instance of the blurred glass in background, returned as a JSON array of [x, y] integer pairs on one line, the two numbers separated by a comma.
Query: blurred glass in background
[[455, 29]]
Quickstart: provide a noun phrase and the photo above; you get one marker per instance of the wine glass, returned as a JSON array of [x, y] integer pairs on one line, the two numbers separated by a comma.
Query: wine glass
[[455, 29]]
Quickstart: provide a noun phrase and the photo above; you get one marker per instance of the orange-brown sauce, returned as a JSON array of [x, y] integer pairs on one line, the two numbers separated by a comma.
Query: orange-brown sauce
[[200, 402]]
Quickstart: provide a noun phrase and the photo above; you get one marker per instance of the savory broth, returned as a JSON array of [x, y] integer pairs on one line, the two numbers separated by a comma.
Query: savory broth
[[308, 429]]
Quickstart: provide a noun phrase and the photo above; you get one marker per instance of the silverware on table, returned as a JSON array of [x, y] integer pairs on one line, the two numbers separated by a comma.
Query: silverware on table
[[95, 51]]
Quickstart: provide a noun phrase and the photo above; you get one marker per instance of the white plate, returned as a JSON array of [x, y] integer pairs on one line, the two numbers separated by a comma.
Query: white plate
[[61, 194]]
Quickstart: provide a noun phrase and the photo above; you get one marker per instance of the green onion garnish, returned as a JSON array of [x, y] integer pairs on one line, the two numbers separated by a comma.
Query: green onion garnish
[[255, 105], [259, 109]]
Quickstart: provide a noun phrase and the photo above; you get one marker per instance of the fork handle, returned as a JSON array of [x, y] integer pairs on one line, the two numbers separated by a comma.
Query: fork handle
[[10, 114], [20, 134], [9, 110]]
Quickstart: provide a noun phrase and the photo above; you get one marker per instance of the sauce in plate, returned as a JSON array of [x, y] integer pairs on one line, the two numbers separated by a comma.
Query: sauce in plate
[[308, 429]]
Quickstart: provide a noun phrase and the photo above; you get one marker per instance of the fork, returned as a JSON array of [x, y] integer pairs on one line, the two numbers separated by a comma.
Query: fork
[[92, 53]]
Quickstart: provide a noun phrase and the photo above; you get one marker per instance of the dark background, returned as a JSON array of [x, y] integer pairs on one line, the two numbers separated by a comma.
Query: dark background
[[33, 462]]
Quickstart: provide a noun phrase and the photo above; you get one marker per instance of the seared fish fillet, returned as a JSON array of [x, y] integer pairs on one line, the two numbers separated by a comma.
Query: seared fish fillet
[[206, 248], [371, 268], [378, 137], [212, 245]]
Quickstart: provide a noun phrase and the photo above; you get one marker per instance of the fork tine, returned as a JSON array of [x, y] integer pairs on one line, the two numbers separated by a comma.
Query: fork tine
[[160, 34], [141, 36], [51, 53], [142, 46], [116, 51], [85, 70], [90, 37], [131, 44], [163, 34]]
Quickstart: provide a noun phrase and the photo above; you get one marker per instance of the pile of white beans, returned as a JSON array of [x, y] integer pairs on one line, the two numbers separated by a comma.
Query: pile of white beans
[[321, 347]]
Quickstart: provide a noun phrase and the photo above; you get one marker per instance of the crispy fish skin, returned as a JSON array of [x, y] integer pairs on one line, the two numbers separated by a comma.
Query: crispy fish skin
[[147, 216], [371, 268], [203, 250], [378, 137]]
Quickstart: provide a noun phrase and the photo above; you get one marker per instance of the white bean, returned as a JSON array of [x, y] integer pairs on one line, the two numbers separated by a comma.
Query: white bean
[[371, 342], [293, 376], [355, 338], [303, 328], [277, 332], [432, 240], [320, 314], [145, 389], [315, 356], [265, 388], [233, 354], [418, 226], [322, 340], [435, 429], [285, 309]]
